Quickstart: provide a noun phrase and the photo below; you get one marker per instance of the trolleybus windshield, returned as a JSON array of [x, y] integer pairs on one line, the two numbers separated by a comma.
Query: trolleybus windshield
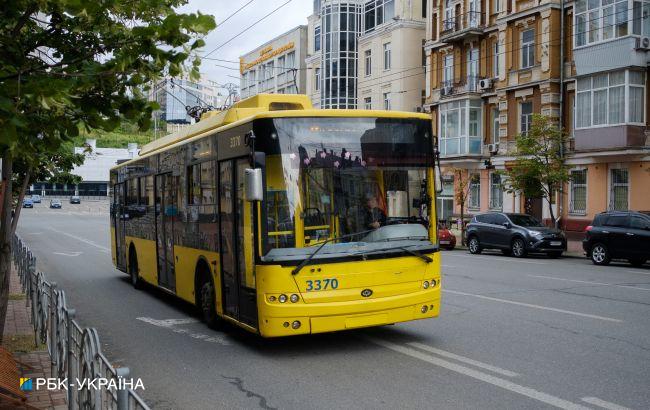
[[330, 177]]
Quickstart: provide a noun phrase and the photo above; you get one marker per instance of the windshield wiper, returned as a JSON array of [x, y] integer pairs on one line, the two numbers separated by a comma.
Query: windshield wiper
[[405, 249], [306, 261]]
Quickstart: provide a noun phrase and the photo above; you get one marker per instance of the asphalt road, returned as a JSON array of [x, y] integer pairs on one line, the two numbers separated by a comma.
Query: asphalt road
[[532, 333]]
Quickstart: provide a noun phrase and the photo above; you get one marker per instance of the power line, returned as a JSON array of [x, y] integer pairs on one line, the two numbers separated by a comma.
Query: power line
[[236, 11], [248, 28]]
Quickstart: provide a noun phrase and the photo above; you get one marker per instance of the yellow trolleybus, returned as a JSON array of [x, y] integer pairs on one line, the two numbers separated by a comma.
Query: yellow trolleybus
[[284, 219]]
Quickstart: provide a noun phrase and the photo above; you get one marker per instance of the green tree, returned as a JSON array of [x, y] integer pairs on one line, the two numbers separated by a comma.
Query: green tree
[[71, 64], [539, 169], [461, 193]]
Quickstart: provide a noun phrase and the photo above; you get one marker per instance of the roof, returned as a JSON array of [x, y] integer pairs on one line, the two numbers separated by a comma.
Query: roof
[[261, 106]]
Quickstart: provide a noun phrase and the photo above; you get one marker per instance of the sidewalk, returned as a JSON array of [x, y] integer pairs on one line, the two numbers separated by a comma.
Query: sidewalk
[[574, 245], [32, 361]]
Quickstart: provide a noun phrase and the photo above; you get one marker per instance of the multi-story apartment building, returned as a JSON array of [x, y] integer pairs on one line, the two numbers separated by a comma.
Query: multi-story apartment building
[[492, 64], [276, 67], [366, 54]]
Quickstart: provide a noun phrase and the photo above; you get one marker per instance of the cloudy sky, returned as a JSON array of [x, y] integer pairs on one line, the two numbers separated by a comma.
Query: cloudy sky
[[287, 17]]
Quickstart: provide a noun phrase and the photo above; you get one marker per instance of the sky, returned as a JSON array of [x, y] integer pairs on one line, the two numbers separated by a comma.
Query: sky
[[293, 14]]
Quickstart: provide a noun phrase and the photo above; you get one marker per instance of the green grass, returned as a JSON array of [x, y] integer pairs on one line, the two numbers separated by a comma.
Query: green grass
[[120, 137]]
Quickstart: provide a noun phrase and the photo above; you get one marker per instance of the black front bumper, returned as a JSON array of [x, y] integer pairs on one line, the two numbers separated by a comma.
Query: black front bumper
[[544, 245]]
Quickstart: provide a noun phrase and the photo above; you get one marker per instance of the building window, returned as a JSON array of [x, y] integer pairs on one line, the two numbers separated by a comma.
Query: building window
[[602, 20], [619, 188], [317, 79], [495, 125], [474, 191], [368, 61], [424, 9], [578, 192], [377, 12], [528, 48], [367, 103], [497, 6], [448, 70], [386, 101], [317, 38], [460, 128], [496, 191], [387, 56], [600, 99], [495, 61], [525, 117]]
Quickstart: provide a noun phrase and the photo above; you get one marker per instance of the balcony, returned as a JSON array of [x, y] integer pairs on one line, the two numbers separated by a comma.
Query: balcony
[[467, 85], [462, 26], [616, 137]]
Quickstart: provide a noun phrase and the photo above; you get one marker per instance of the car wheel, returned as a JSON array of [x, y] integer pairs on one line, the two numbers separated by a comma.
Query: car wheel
[[637, 262], [451, 248], [518, 248], [600, 254], [474, 245], [133, 270], [207, 305], [554, 255]]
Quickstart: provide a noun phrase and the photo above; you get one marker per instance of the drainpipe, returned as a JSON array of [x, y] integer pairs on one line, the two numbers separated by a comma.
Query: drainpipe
[[560, 196]]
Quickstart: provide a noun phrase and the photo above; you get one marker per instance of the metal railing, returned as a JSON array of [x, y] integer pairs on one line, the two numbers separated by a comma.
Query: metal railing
[[75, 352], [469, 20], [468, 84]]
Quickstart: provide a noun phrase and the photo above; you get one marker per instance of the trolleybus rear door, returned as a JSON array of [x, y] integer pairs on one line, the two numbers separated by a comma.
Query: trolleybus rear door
[[236, 239], [118, 220], [166, 213]]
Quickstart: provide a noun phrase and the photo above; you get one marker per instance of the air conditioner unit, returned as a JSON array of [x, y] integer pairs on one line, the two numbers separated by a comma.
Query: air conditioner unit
[[643, 43], [493, 148], [485, 84]]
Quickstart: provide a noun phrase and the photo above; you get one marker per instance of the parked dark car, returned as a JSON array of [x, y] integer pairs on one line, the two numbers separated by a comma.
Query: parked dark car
[[618, 235], [55, 203], [28, 203], [513, 234], [75, 199], [36, 199]]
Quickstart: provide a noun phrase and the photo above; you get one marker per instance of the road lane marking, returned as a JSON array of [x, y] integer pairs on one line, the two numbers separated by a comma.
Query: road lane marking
[[602, 403], [499, 258], [475, 363], [589, 282], [639, 272], [170, 323], [68, 254], [512, 302], [479, 375], [91, 243]]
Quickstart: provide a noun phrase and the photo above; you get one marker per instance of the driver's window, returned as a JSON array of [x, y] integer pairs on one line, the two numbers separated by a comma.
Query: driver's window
[[499, 219]]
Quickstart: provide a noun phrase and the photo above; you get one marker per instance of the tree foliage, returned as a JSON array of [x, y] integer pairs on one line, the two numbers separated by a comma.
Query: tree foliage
[[67, 65], [539, 169]]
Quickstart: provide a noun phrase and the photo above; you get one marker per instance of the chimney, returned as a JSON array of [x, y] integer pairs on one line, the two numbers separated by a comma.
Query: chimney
[[92, 143], [133, 149]]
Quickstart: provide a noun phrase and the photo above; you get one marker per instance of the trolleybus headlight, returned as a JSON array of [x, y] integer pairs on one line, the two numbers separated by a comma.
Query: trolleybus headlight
[[272, 298], [424, 309], [295, 324], [282, 298], [433, 283], [294, 298], [425, 284]]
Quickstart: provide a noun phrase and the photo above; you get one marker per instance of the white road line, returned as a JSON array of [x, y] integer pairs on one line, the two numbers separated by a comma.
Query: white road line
[[637, 271], [448, 266], [589, 282], [498, 258], [512, 302], [602, 403], [463, 359], [68, 254], [478, 375], [170, 323], [91, 243]]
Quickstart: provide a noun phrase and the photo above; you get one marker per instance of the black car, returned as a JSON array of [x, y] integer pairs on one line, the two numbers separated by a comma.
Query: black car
[[75, 199], [618, 235], [516, 234]]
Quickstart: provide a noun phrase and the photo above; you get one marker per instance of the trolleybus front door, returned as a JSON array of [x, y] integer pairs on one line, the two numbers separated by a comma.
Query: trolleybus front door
[[118, 221], [166, 213], [236, 243]]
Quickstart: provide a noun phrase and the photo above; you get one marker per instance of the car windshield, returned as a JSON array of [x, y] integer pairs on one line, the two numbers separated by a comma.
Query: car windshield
[[525, 220], [56, 201], [343, 177]]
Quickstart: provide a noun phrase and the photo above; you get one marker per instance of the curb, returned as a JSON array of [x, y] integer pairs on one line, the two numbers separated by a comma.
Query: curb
[[573, 255]]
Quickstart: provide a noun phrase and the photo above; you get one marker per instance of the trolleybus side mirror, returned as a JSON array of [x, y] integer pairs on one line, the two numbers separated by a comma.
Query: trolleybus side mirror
[[253, 186]]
